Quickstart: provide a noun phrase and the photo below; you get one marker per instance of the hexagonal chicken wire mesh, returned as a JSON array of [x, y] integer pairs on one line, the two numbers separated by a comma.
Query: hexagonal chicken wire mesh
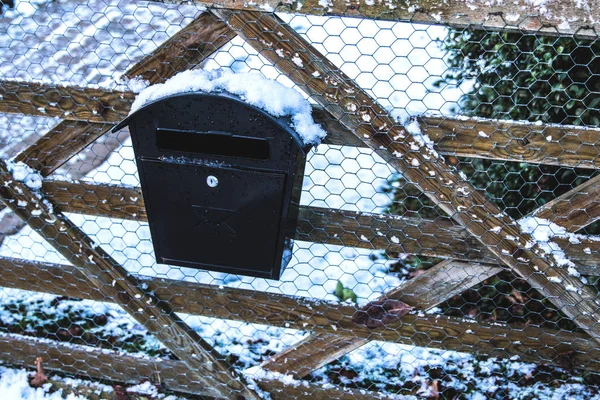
[[445, 242]]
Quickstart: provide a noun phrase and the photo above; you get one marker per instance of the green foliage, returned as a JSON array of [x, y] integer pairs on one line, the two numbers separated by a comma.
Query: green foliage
[[343, 293], [520, 77], [526, 77]]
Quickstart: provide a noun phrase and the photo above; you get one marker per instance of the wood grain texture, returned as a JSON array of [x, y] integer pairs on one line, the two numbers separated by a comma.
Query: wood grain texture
[[516, 15], [60, 144], [66, 102], [333, 319], [550, 144], [572, 146], [89, 362], [575, 209], [432, 287], [420, 165], [185, 50], [113, 281], [441, 238]]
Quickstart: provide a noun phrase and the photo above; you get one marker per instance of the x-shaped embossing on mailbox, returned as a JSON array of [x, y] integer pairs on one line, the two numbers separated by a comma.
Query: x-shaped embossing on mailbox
[[214, 220]]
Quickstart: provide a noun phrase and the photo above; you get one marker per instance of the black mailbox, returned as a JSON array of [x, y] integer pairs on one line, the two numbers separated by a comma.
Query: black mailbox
[[221, 181]]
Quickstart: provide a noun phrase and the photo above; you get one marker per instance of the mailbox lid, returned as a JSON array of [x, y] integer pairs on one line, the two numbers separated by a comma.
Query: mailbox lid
[[177, 119], [233, 227]]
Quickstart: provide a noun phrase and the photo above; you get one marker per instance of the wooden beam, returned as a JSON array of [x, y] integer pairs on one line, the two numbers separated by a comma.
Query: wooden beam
[[113, 281], [529, 343], [66, 102], [441, 238], [565, 18], [434, 286], [570, 146], [515, 141], [575, 209], [419, 164], [89, 362], [60, 144], [189, 47]]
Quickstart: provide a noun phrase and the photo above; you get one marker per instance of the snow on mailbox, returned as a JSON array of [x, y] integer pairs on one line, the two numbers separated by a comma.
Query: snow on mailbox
[[221, 181]]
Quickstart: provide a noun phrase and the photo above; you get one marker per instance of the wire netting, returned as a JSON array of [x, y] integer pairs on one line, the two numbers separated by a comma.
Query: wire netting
[[388, 293]]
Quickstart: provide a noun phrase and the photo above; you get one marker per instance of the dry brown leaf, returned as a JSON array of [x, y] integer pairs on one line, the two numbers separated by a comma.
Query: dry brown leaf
[[39, 378]]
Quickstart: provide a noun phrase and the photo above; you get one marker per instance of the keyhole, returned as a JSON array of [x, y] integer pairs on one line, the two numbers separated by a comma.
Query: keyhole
[[212, 181]]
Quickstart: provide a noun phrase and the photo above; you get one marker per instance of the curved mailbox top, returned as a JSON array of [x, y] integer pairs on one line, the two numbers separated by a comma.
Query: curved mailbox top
[[219, 126]]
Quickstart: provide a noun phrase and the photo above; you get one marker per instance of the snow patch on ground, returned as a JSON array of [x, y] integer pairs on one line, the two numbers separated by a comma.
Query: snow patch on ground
[[253, 88]]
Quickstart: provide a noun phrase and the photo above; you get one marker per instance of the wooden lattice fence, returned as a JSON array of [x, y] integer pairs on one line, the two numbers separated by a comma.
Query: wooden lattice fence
[[476, 238]]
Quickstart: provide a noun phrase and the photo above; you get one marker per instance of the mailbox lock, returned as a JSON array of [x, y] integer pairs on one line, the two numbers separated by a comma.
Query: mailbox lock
[[212, 181]]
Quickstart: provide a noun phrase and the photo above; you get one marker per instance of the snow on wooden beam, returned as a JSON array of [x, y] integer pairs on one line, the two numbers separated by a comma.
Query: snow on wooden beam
[[548, 17], [437, 238], [530, 343]]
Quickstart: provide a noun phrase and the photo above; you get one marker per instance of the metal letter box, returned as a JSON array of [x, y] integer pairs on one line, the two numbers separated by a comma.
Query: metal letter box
[[221, 181]]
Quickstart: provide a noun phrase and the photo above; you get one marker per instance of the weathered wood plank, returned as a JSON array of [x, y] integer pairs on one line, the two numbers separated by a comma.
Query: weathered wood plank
[[67, 102], [112, 280], [186, 49], [88, 362], [311, 353], [100, 199], [481, 138], [441, 238], [60, 144], [440, 283], [331, 318], [420, 165], [575, 209], [427, 290], [548, 18], [573, 146], [516, 141]]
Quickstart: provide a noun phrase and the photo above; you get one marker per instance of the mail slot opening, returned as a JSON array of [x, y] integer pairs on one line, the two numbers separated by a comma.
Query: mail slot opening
[[212, 143]]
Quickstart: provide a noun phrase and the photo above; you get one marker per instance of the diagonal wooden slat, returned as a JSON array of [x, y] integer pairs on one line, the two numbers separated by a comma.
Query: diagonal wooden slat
[[575, 209], [113, 281], [60, 144], [530, 343], [189, 47], [550, 144], [329, 87], [522, 15], [436, 238], [434, 286]]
